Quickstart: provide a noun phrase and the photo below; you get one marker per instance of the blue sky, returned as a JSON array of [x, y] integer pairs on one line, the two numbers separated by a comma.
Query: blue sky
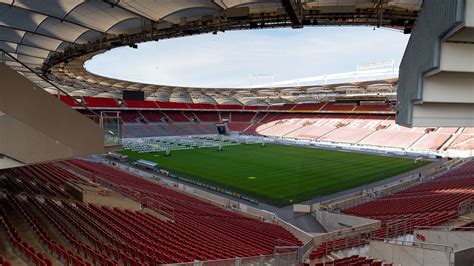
[[227, 59]]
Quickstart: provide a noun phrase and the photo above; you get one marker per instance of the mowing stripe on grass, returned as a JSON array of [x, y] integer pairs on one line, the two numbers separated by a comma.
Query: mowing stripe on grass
[[279, 174]]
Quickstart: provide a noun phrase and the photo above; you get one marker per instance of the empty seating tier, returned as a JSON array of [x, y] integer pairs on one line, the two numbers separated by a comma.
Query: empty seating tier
[[176, 116], [89, 234], [427, 204], [130, 116], [153, 116], [246, 117], [345, 123]]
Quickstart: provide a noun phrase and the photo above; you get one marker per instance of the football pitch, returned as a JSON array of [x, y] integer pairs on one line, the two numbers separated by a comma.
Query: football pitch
[[278, 174]]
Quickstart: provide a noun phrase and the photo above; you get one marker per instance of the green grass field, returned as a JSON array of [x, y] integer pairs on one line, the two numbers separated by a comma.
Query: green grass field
[[278, 174]]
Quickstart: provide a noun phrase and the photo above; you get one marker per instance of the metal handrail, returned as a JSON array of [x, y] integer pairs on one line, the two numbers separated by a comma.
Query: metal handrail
[[275, 256], [444, 228], [303, 250], [424, 245], [160, 206]]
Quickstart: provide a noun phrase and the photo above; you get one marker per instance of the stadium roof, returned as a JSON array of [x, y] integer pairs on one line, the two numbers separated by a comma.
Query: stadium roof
[[47, 36]]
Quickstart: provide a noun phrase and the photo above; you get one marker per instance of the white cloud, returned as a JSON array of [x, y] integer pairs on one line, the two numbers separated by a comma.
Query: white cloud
[[227, 59]]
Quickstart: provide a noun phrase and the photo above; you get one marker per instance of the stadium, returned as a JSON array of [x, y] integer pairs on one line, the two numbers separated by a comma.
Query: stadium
[[368, 167]]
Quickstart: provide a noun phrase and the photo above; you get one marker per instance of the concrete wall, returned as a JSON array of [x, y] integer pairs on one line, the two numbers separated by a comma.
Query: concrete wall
[[74, 191], [435, 89], [457, 57], [423, 53], [211, 198], [446, 114], [256, 211], [464, 257], [409, 255], [36, 127], [347, 232], [457, 239], [302, 208], [341, 202], [333, 221], [469, 14], [300, 234]]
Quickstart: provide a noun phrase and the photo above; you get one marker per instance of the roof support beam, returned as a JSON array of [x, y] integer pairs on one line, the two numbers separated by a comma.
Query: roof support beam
[[219, 4], [116, 3], [292, 8], [23, 54]]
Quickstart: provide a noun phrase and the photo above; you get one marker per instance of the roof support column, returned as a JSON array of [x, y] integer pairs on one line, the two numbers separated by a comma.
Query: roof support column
[[293, 9]]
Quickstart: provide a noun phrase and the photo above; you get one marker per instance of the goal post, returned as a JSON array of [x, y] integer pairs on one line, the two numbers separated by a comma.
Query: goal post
[[418, 159]]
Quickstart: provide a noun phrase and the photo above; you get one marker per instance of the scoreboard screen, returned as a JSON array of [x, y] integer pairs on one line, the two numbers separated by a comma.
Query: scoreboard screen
[[133, 95]]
